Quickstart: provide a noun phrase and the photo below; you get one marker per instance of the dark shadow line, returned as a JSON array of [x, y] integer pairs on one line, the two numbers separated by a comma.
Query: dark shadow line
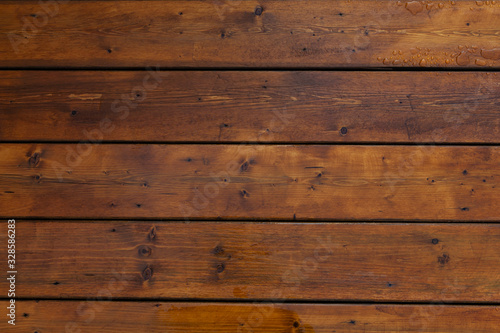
[[242, 220], [260, 300], [269, 143], [246, 69]]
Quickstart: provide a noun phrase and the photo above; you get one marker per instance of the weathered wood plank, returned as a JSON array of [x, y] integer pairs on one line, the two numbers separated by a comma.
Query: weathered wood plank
[[250, 106], [324, 34], [229, 260], [53, 316], [250, 181]]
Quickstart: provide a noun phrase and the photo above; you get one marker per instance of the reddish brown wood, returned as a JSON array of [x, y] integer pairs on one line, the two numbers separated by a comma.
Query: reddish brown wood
[[319, 34], [284, 261], [262, 106], [250, 181], [107, 317]]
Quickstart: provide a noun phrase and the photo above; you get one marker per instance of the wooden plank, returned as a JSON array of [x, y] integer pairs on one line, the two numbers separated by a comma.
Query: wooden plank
[[250, 106], [74, 316], [333, 34], [250, 181], [267, 261]]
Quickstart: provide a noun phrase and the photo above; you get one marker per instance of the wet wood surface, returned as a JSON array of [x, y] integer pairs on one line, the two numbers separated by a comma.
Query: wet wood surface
[[236, 34], [250, 106], [251, 166], [264, 261], [250, 182], [89, 316]]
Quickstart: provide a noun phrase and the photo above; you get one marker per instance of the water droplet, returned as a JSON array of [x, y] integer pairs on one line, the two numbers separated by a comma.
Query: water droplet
[[396, 62], [441, 5], [463, 59], [386, 61], [414, 7], [480, 62], [493, 54], [447, 61], [423, 63]]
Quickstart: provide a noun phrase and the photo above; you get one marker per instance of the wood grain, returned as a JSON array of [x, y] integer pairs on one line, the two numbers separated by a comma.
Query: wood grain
[[263, 34], [262, 106], [91, 316], [265, 261], [250, 181]]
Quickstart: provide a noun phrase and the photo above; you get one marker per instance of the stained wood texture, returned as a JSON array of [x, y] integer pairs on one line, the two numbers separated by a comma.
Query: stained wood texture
[[91, 316], [266, 261], [250, 34], [250, 181], [250, 106]]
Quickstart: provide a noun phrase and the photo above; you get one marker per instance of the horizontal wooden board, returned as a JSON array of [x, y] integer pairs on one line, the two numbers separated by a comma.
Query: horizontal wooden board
[[245, 106], [326, 34], [91, 316], [265, 261], [250, 181]]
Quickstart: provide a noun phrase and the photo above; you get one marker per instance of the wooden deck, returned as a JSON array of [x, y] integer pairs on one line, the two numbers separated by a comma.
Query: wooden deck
[[250, 166]]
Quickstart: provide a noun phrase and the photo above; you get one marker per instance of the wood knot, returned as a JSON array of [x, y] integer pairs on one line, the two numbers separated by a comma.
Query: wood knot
[[152, 234], [218, 250], [221, 267], [244, 167], [147, 273], [145, 251], [34, 160], [444, 259], [258, 10]]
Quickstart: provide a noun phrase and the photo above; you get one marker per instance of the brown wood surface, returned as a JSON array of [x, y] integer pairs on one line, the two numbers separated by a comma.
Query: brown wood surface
[[265, 261], [250, 181], [91, 316], [178, 106], [326, 34]]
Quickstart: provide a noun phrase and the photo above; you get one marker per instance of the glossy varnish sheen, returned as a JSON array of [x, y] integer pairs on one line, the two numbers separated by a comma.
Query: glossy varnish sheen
[[256, 34], [251, 166], [107, 317], [250, 106], [250, 181], [265, 261]]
